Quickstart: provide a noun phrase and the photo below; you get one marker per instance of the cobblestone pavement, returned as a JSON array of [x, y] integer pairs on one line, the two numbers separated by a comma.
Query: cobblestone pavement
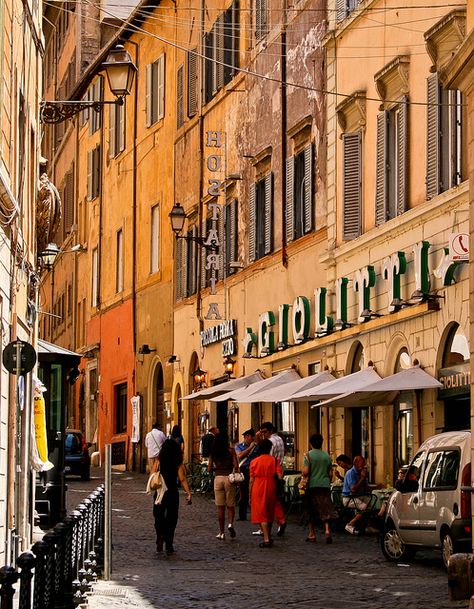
[[236, 574]]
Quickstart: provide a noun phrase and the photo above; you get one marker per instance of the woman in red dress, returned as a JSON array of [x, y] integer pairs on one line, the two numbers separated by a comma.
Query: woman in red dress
[[263, 494]]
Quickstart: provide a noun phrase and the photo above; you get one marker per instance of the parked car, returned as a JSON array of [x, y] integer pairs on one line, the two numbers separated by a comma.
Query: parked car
[[430, 508], [77, 460]]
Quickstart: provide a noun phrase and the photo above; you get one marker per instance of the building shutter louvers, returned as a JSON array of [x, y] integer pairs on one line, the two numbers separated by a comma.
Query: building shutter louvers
[[222, 244], [381, 169], [203, 256], [232, 217], [179, 269], [402, 147], [160, 89], [149, 94], [308, 188], [340, 10], [69, 202], [351, 184], [432, 137], [252, 221], [268, 212], [290, 199], [219, 43], [192, 82], [179, 97]]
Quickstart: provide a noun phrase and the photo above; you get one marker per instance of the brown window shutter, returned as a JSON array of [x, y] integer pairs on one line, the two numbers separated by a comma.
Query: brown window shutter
[[192, 82], [219, 46], [179, 269], [381, 169], [203, 255], [340, 10], [161, 89], [351, 185], [149, 94], [290, 199], [268, 213], [232, 217], [179, 96], [252, 222], [69, 202], [308, 188], [432, 137], [402, 147], [193, 258], [223, 245]]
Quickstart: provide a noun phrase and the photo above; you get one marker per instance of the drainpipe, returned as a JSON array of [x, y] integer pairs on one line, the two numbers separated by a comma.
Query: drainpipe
[[283, 59]]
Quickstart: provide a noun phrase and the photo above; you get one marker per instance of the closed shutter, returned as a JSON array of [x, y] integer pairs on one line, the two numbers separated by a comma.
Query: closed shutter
[[268, 213], [121, 125], [161, 89], [432, 137], [219, 44], [179, 97], [193, 260], [149, 95], [351, 184], [179, 269], [258, 19], [69, 202], [203, 256], [308, 188], [89, 174], [340, 10], [235, 36], [252, 221], [402, 150], [290, 199], [192, 82], [96, 172], [222, 243], [232, 217], [112, 119], [381, 169]]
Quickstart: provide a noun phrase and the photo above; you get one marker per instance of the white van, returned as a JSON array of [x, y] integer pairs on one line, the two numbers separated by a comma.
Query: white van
[[430, 509]]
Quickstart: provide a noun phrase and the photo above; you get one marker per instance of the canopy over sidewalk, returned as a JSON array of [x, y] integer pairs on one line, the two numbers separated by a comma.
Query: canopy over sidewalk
[[344, 384], [232, 385], [252, 393]]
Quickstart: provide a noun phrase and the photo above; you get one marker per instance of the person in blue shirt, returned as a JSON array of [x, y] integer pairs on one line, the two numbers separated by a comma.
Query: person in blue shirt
[[246, 451], [356, 493]]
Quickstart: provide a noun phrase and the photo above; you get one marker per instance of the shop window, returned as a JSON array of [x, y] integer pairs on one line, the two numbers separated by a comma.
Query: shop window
[[120, 408], [284, 415]]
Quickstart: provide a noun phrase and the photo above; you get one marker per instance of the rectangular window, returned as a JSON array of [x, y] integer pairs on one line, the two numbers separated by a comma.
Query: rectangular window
[[119, 262], [191, 261], [351, 185], [121, 404], [299, 194], [442, 469], [155, 91], [261, 218], [230, 237], [96, 94], [95, 278], [392, 165], [444, 138], [155, 239], [344, 8], [93, 173], [116, 129]]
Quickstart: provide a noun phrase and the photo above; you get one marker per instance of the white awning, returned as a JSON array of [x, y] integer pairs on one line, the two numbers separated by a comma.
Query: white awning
[[233, 384], [344, 384], [386, 390], [283, 393], [251, 393]]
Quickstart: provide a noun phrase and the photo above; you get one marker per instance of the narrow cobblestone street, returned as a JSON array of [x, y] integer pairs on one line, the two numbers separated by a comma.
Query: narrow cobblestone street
[[236, 574]]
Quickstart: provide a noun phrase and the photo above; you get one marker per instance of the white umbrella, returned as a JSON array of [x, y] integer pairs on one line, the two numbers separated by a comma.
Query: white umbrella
[[282, 393], [386, 390], [232, 385], [344, 384], [250, 394]]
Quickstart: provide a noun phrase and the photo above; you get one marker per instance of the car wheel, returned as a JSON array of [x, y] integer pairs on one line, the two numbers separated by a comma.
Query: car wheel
[[447, 547], [393, 547]]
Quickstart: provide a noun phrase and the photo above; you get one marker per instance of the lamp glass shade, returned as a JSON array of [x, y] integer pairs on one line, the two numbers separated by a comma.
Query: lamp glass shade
[[120, 71], [177, 217], [48, 255]]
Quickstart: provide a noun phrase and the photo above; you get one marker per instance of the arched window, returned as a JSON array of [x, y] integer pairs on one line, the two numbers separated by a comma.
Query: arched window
[[456, 348]]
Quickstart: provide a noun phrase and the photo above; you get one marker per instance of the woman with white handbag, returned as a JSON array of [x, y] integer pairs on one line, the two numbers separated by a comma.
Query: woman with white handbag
[[223, 461]]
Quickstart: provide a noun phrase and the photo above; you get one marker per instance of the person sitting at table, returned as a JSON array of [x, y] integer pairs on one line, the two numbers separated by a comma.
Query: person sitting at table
[[356, 493], [344, 462]]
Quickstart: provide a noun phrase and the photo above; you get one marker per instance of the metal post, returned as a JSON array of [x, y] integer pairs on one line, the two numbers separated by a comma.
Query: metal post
[[108, 513]]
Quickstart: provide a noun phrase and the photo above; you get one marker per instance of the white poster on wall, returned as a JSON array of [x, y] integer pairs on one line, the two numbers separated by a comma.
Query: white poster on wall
[[135, 400]]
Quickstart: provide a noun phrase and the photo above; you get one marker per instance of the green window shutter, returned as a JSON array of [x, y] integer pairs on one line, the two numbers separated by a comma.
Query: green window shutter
[[381, 169], [268, 213], [351, 185], [308, 188], [232, 213], [432, 137], [112, 119], [149, 95], [192, 82], [161, 89], [290, 199], [402, 148], [179, 96], [223, 245], [340, 10], [252, 221], [203, 256]]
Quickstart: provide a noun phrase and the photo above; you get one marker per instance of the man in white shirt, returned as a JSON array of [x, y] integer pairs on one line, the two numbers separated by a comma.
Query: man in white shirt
[[153, 441]]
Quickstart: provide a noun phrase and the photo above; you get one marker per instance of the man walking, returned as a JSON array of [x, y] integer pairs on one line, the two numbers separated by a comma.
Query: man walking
[[246, 451], [206, 442], [154, 441]]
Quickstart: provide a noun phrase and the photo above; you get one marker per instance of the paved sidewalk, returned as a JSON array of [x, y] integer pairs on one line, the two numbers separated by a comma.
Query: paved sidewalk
[[236, 574]]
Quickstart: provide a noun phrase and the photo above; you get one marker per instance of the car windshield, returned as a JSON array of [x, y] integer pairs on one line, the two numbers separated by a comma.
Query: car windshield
[[73, 443]]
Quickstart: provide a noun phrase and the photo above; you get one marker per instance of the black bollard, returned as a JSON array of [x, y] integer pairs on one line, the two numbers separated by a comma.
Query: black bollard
[[8, 577], [51, 573], [40, 550], [26, 562]]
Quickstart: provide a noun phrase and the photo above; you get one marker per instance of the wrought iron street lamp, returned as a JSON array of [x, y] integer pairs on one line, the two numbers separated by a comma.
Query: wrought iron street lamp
[[177, 218], [199, 378], [120, 71], [48, 255]]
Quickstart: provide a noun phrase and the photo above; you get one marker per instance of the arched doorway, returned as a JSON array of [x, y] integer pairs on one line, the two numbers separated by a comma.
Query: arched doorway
[[356, 419], [157, 410], [454, 373]]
